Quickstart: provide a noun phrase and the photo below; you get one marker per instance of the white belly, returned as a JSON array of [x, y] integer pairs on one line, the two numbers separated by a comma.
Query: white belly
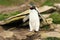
[[34, 19], [33, 15]]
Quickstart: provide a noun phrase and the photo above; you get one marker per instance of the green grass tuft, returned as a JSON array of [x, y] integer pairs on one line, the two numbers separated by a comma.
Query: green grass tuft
[[56, 17], [48, 2], [52, 38]]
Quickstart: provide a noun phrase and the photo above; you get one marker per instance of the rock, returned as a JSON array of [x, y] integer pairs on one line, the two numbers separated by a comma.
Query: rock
[[2, 22], [57, 5], [50, 34], [52, 26], [46, 9], [6, 34], [57, 27], [46, 15], [23, 34], [57, 30], [1, 29], [37, 39], [49, 20], [1, 38], [22, 15], [20, 37]]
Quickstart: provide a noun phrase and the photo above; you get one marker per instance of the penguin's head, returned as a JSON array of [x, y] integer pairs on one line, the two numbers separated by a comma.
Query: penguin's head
[[32, 6]]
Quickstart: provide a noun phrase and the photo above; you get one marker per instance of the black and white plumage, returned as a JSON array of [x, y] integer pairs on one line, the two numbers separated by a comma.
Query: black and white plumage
[[34, 19]]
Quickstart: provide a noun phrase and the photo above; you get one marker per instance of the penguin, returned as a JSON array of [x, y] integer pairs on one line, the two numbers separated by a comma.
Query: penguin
[[34, 19]]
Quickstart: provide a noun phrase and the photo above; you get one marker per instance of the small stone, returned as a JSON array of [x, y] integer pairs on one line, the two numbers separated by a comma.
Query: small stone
[[49, 20]]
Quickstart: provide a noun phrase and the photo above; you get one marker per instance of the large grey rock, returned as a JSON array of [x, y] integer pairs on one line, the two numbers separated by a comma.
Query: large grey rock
[[19, 16]]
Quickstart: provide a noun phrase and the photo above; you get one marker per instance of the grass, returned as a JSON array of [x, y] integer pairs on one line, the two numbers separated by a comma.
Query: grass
[[52, 38], [19, 2], [51, 2], [45, 27], [48, 2], [11, 2], [56, 17], [6, 15]]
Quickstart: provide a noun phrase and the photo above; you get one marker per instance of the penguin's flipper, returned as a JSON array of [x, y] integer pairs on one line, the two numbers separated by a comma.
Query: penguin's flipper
[[26, 18]]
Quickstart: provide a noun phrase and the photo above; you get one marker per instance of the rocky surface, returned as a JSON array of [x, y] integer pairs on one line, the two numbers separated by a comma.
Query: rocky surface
[[25, 34], [21, 34]]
